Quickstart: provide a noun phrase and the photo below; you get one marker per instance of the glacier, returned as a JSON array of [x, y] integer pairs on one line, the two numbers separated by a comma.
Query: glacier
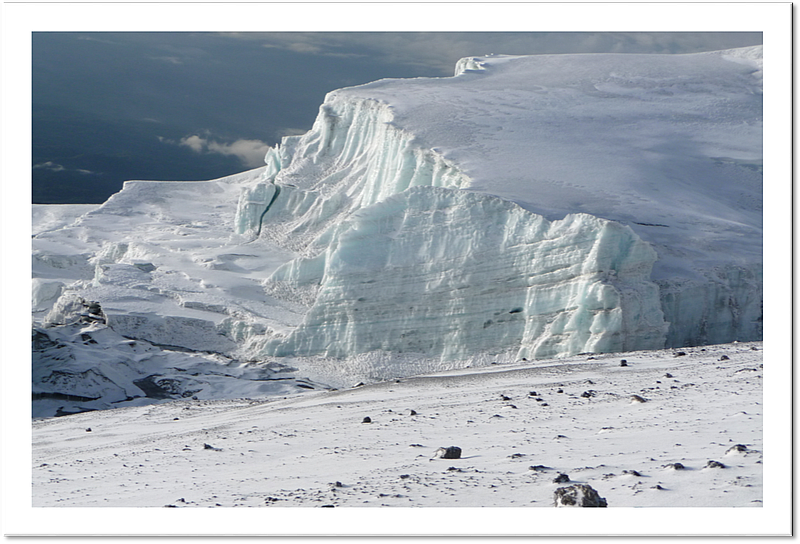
[[527, 207]]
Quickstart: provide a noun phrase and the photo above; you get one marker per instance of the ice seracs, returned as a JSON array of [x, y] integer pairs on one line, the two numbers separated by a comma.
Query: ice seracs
[[535, 206]]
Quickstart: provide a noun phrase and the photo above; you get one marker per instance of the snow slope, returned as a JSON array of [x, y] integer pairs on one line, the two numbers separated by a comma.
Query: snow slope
[[528, 207], [519, 426]]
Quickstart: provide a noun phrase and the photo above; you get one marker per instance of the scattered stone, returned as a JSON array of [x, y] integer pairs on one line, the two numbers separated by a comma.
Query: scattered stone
[[359, 384], [453, 452], [623, 363], [561, 478], [581, 495], [560, 391], [667, 375], [454, 469], [632, 473], [714, 464], [88, 429], [338, 484], [637, 398], [658, 486], [504, 397], [724, 358], [738, 448], [675, 466], [415, 445], [680, 353], [327, 506], [544, 404], [533, 394], [366, 420], [538, 468], [513, 407], [589, 394], [412, 413], [210, 447], [516, 455], [404, 476]]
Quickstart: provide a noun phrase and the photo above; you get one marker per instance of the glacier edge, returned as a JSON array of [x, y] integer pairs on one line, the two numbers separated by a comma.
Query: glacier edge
[[380, 223]]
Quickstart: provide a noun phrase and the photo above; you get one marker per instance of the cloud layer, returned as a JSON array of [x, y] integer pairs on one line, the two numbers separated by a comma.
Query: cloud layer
[[250, 152]]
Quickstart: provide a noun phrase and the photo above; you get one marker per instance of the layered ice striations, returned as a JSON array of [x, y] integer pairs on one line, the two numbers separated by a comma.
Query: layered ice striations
[[394, 257], [353, 157], [450, 274]]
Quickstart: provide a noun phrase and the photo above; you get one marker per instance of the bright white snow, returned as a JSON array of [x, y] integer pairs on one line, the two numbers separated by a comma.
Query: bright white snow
[[519, 426]]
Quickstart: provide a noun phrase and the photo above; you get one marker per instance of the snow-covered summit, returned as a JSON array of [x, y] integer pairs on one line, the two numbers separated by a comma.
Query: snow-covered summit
[[534, 206]]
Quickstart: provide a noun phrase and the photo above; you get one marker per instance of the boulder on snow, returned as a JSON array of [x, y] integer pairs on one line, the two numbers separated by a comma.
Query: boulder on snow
[[579, 495], [561, 478], [453, 452]]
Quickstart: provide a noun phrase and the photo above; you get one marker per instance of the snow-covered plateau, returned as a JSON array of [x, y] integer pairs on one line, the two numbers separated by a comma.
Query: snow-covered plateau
[[549, 264]]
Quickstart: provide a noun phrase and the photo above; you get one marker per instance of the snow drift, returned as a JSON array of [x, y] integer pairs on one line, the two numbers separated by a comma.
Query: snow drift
[[527, 207]]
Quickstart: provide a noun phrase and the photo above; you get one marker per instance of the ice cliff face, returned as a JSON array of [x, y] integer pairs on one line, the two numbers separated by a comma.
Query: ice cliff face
[[450, 274], [395, 257], [387, 262]]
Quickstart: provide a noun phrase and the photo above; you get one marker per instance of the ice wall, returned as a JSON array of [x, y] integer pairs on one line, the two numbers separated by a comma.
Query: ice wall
[[354, 156], [395, 256], [451, 274]]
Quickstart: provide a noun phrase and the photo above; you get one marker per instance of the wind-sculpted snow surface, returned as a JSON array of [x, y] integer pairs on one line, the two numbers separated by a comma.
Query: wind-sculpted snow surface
[[527, 207]]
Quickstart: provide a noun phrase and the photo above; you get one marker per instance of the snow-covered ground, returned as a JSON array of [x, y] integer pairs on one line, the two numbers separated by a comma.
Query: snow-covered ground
[[620, 429]]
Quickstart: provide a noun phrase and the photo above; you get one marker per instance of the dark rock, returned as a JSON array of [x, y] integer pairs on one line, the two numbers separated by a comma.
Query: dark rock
[[632, 473], [404, 476], [724, 358], [667, 375], [359, 384], [680, 353], [366, 420], [675, 466], [210, 447], [88, 429], [412, 413], [516, 455], [736, 448], [581, 495], [561, 478], [453, 452], [589, 394], [533, 394], [657, 486], [560, 391], [637, 398], [714, 464], [623, 363], [338, 484], [503, 397], [327, 506], [538, 468]]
